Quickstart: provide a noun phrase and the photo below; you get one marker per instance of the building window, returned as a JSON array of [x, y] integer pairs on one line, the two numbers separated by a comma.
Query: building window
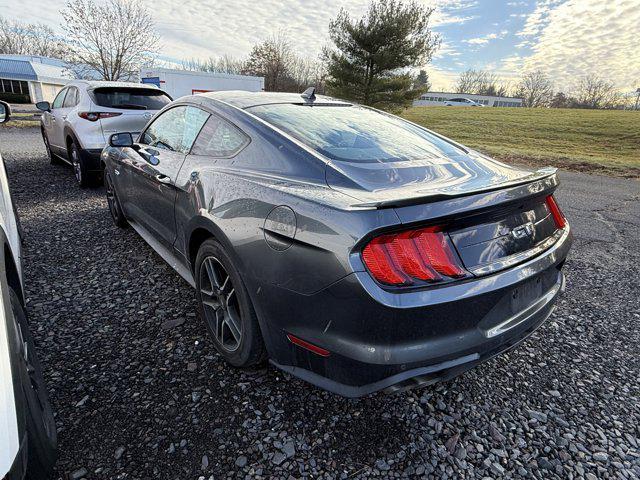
[[14, 86]]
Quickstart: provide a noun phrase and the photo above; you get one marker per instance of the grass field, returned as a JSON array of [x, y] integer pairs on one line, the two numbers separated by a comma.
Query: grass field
[[598, 141], [22, 120]]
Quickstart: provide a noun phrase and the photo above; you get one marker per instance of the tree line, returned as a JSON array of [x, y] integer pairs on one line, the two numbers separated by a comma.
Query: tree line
[[371, 59], [536, 89]]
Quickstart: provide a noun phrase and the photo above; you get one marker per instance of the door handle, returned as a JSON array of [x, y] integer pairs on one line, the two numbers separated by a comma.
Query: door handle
[[163, 178]]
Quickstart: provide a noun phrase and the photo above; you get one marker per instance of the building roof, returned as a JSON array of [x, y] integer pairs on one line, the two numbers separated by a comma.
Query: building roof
[[34, 68], [465, 95], [243, 99]]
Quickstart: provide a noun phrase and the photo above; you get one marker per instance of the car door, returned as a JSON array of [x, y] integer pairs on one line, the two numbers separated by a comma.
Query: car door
[[60, 115], [151, 177], [49, 119]]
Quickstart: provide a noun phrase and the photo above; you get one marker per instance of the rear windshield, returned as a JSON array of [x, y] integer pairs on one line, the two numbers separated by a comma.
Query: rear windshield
[[355, 134], [130, 98]]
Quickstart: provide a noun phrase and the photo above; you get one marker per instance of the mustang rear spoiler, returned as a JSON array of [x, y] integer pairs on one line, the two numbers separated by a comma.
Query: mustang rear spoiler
[[546, 173]]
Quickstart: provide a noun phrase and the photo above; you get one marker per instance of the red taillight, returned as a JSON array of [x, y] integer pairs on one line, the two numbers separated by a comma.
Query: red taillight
[[558, 216], [95, 116], [402, 258]]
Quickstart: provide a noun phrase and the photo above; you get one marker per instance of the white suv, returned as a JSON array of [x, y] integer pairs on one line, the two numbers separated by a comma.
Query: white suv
[[461, 102], [77, 126]]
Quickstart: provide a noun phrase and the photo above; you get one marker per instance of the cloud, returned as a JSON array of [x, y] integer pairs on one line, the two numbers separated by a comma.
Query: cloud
[[197, 29], [574, 38], [486, 38]]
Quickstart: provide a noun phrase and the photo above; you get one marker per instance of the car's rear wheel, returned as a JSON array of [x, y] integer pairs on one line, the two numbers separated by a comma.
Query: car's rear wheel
[[226, 307], [114, 203], [53, 159], [79, 166], [41, 426]]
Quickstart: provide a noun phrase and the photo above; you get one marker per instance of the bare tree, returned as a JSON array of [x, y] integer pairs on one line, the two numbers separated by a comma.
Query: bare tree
[[304, 73], [112, 39], [223, 64], [29, 39], [595, 92], [480, 82], [535, 89], [272, 59]]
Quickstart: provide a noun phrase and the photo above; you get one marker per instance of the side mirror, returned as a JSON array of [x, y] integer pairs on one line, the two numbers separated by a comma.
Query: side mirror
[[121, 140], [44, 106], [5, 112]]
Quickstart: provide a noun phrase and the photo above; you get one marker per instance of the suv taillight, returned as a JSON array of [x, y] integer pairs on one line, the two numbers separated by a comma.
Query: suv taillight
[[95, 116], [558, 216], [414, 256]]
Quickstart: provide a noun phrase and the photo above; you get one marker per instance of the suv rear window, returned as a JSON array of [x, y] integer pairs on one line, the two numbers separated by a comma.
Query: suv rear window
[[130, 98]]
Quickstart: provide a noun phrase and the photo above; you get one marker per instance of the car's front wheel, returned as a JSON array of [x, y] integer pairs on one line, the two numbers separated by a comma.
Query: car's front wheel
[[53, 159], [226, 307], [114, 203], [41, 426]]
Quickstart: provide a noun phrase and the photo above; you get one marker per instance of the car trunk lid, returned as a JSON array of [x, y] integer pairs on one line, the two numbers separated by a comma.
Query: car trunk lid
[[393, 184], [133, 107]]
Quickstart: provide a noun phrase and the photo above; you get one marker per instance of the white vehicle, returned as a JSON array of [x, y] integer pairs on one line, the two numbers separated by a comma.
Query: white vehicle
[[82, 117], [27, 427], [461, 102]]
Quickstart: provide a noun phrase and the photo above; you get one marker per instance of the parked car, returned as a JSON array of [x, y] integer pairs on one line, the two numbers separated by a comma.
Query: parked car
[[27, 426], [354, 249], [77, 125], [462, 102]]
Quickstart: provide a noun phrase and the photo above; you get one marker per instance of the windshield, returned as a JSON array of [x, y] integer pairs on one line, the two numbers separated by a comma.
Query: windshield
[[130, 98], [354, 133]]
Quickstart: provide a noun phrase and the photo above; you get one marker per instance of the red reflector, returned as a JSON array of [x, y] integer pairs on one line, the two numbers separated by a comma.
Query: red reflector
[[424, 254], [308, 346], [558, 216]]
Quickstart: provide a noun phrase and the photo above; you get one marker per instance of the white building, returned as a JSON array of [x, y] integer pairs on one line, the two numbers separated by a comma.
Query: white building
[[31, 79], [179, 83], [433, 99]]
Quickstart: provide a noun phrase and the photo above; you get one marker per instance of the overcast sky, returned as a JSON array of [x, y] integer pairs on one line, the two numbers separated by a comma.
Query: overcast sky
[[565, 38]]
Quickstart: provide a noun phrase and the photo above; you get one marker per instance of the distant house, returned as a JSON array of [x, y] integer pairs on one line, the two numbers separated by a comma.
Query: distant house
[[434, 99], [31, 79]]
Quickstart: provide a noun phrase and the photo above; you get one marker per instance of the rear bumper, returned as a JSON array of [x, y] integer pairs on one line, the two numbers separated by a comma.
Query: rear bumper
[[382, 340]]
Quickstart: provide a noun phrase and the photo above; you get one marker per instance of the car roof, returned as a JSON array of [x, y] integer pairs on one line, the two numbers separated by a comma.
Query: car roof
[[107, 84], [243, 99]]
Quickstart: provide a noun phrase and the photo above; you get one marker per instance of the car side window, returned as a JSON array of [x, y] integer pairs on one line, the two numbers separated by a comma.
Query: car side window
[[219, 138], [71, 100], [175, 129], [57, 103]]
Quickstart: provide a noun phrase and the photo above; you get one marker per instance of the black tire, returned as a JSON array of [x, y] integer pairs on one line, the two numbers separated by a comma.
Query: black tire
[[53, 159], [41, 426], [79, 165], [250, 349], [117, 215]]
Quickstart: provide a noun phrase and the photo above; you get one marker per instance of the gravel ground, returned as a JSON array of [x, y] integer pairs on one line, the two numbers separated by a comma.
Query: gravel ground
[[140, 393]]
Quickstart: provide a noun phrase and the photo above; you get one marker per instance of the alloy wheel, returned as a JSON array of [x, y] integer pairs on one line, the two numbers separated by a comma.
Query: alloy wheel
[[220, 304], [75, 160]]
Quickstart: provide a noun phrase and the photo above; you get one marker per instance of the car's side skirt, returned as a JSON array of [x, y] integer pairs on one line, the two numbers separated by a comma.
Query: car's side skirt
[[167, 255]]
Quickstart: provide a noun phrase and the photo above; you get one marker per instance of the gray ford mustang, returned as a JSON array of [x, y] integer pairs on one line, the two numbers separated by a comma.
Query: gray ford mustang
[[352, 248]]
